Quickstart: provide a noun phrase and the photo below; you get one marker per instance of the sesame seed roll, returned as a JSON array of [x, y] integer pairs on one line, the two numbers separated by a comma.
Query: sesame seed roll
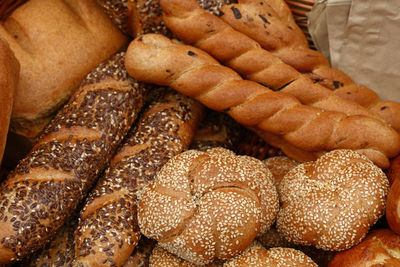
[[47, 185], [108, 232], [208, 205], [331, 203]]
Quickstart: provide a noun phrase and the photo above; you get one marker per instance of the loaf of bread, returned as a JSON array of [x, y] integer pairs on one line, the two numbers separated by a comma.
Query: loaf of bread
[[381, 247], [208, 205], [270, 23], [57, 44], [108, 231], [331, 203], [393, 205], [257, 255], [45, 188], [156, 59], [190, 23], [9, 75]]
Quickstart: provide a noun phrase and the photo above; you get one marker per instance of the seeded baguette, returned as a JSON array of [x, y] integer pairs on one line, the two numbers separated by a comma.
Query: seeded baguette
[[108, 232], [193, 25], [270, 23], [47, 185], [9, 74], [156, 59]]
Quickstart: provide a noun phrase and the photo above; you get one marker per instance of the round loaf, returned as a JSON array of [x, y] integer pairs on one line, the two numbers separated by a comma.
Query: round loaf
[[256, 255], [9, 73], [380, 248], [208, 205], [331, 203]]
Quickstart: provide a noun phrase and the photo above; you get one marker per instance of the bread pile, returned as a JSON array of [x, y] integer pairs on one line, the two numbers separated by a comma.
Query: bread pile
[[139, 113]]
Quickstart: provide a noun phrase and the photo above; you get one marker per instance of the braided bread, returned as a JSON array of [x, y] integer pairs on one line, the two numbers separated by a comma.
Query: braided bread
[[193, 25], [108, 232], [47, 185], [156, 59], [270, 23]]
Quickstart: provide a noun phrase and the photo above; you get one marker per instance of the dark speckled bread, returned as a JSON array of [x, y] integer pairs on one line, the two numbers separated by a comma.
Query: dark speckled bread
[[108, 231], [47, 185], [136, 17]]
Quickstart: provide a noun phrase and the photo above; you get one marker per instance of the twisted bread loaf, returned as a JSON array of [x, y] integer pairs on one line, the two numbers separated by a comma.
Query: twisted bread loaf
[[208, 205], [270, 23], [108, 232], [9, 73], [55, 176], [156, 59], [193, 25]]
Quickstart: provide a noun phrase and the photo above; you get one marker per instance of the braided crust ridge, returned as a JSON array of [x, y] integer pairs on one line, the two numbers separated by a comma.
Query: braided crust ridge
[[47, 185], [192, 24], [156, 59], [270, 23], [108, 232]]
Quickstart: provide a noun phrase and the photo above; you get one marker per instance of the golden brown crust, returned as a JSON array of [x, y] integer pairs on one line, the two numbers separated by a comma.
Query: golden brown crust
[[270, 23], [256, 255], [195, 26], [380, 248], [108, 232], [393, 207], [47, 185], [57, 43], [279, 166], [141, 255], [331, 203], [208, 205], [9, 74], [156, 59]]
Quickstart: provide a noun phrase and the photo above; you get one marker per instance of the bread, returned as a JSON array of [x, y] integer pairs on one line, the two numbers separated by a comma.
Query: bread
[[381, 247], [156, 59], [256, 255], [279, 167], [9, 74], [331, 203], [190, 23], [57, 44], [137, 17], [393, 206], [217, 130], [108, 232], [141, 255], [161, 257], [270, 23], [393, 172], [208, 205], [47, 185]]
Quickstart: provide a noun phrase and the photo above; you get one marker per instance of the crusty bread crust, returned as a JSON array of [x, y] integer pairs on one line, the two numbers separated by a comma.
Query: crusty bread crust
[[47, 185], [9, 74], [156, 59], [57, 44]]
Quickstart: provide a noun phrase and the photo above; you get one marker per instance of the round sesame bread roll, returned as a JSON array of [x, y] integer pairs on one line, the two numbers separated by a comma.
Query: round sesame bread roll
[[381, 247], [279, 166], [331, 203], [257, 255], [9, 73], [208, 205]]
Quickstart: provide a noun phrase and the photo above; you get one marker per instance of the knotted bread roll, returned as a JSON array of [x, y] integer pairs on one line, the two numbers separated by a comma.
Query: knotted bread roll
[[208, 205]]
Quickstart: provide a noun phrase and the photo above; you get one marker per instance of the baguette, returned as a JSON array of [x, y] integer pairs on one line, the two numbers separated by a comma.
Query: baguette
[[271, 24], [9, 74], [156, 59], [57, 43], [108, 231], [193, 25], [45, 188]]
